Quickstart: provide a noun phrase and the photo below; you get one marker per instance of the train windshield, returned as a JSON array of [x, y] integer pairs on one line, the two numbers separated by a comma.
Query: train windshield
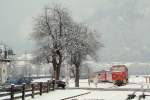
[[118, 69]]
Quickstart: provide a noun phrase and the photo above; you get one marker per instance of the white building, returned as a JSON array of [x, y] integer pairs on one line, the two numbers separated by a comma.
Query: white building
[[3, 72]]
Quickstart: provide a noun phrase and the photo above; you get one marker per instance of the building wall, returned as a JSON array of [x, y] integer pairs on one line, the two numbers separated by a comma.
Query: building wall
[[3, 73]]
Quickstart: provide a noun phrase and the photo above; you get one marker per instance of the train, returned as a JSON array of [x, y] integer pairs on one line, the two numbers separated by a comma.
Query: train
[[105, 76], [118, 75]]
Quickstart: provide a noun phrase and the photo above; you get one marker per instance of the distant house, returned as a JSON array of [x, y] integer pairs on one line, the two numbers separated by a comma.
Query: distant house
[[3, 73]]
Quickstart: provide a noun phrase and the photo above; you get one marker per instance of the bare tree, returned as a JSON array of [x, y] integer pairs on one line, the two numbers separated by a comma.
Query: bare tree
[[82, 42], [50, 32], [57, 35]]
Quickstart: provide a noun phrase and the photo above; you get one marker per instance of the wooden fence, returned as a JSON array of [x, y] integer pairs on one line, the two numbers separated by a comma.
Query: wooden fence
[[30, 90]]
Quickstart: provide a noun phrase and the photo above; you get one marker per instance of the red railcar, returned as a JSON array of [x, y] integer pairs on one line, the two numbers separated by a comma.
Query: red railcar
[[105, 76], [119, 74]]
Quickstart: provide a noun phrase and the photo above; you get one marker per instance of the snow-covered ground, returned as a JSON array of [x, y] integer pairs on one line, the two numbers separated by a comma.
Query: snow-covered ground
[[134, 82], [111, 95], [105, 95], [59, 94]]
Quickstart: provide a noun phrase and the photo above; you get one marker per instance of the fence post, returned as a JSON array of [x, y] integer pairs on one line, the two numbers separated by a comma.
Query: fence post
[[12, 91], [23, 91], [41, 86], [32, 86], [47, 86]]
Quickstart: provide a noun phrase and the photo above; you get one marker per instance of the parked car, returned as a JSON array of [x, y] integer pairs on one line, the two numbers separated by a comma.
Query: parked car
[[24, 80], [60, 84], [16, 81]]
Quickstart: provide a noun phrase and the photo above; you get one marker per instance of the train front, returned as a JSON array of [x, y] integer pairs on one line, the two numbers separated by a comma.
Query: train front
[[119, 75]]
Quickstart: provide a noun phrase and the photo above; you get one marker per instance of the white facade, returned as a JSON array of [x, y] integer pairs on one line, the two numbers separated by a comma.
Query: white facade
[[2, 50], [3, 73]]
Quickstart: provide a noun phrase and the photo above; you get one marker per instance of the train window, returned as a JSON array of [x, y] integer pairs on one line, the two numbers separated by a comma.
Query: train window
[[118, 69]]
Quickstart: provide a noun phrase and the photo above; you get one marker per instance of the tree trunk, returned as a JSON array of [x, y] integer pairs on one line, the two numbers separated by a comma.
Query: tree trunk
[[57, 72], [54, 66], [77, 76], [58, 65]]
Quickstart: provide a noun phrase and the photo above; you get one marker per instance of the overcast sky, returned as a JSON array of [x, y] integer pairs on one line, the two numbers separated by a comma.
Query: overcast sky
[[124, 25]]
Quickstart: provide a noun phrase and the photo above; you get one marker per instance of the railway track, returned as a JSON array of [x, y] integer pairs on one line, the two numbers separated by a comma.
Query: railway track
[[114, 86], [128, 87]]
